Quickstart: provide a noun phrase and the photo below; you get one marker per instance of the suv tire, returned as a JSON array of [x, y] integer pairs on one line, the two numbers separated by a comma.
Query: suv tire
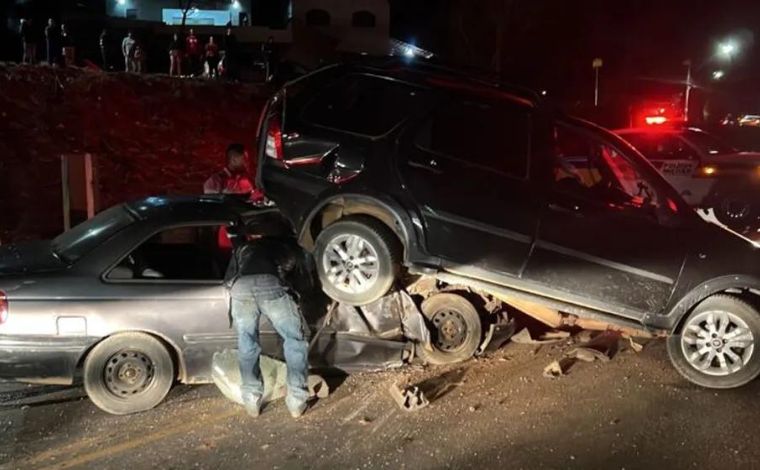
[[455, 329], [128, 373], [727, 330], [358, 259]]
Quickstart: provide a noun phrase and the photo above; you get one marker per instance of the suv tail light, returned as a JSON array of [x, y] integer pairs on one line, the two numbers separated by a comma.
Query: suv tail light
[[3, 307], [274, 139]]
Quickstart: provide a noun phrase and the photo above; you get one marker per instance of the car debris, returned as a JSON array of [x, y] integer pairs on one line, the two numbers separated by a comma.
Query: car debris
[[524, 337], [226, 375], [557, 369], [497, 335], [409, 398]]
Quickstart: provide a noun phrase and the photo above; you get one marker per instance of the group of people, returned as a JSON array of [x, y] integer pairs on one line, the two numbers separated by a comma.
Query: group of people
[[257, 283], [59, 43], [194, 58]]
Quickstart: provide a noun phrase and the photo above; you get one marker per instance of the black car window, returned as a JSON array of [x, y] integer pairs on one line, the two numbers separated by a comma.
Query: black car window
[[594, 170], [661, 146], [363, 104], [494, 136], [190, 253], [85, 237]]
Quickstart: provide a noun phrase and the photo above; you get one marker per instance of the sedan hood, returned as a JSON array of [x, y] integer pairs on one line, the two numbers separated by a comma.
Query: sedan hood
[[28, 257]]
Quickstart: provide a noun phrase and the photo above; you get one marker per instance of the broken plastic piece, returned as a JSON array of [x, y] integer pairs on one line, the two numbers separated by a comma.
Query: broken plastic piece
[[410, 398], [225, 372]]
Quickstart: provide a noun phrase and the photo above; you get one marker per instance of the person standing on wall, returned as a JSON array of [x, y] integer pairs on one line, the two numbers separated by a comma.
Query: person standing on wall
[[212, 57], [28, 42], [53, 42], [193, 51], [68, 48], [175, 56], [128, 51]]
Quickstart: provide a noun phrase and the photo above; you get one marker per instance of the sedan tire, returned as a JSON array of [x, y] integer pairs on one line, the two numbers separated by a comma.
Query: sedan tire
[[717, 344], [128, 373], [455, 329]]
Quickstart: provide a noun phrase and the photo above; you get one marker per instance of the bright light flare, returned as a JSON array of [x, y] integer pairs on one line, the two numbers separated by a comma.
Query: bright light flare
[[655, 120], [121, 2], [718, 74], [728, 49], [236, 4]]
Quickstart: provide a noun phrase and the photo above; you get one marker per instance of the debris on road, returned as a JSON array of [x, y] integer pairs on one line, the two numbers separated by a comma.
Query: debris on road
[[550, 337], [410, 398], [557, 369]]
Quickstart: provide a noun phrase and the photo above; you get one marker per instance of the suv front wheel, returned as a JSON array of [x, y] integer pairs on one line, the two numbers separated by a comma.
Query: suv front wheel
[[358, 259], [715, 347]]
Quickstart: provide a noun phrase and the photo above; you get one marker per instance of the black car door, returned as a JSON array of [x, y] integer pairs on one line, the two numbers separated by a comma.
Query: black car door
[[608, 237], [467, 168]]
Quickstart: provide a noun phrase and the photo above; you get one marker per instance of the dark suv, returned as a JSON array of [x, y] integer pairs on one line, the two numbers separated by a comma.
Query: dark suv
[[393, 166]]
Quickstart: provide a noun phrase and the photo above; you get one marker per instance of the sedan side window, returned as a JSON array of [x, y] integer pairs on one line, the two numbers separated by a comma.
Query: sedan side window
[[191, 253], [656, 146], [593, 170]]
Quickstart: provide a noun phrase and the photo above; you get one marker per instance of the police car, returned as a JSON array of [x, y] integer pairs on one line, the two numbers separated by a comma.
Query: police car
[[706, 171]]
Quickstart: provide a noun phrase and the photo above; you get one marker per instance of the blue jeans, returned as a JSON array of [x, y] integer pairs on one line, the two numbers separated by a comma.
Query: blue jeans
[[253, 296]]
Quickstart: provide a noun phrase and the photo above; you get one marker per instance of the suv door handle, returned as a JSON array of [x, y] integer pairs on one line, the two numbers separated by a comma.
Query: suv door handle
[[432, 167], [575, 210]]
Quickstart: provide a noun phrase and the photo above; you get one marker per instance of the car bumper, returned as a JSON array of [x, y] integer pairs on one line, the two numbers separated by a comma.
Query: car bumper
[[41, 359]]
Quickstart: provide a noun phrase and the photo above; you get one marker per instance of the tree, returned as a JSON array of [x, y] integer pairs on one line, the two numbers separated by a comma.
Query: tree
[[185, 6]]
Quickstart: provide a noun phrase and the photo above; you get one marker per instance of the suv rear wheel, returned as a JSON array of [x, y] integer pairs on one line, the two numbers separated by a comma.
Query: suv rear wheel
[[358, 259], [455, 329], [716, 345]]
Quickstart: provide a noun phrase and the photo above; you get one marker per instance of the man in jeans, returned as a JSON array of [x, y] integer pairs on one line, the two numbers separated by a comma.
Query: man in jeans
[[256, 279]]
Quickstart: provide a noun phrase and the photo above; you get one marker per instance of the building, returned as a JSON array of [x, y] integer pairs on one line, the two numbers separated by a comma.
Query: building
[[196, 12], [361, 26]]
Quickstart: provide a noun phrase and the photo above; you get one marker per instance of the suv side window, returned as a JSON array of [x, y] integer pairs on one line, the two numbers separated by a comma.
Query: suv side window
[[494, 136], [363, 104], [656, 146], [593, 170], [189, 253]]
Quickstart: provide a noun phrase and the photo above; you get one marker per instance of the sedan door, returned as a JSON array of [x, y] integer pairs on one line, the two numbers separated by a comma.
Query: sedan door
[[172, 285]]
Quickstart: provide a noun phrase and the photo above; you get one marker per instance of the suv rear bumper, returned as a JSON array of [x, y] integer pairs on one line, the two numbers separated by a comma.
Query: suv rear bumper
[[41, 359]]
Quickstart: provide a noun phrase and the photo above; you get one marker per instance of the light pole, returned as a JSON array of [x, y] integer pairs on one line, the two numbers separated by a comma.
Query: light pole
[[597, 64], [687, 94]]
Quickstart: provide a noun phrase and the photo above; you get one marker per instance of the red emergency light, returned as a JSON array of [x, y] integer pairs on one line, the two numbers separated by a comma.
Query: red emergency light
[[655, 120]]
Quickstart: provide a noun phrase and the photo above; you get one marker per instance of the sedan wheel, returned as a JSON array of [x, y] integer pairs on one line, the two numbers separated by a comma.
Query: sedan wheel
[[127, 373]]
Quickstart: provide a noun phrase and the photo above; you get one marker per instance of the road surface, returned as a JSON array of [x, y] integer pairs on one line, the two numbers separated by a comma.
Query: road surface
[[499, 412]]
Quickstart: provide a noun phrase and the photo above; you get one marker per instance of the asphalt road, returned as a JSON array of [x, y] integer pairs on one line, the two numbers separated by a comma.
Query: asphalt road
[[499, 412]]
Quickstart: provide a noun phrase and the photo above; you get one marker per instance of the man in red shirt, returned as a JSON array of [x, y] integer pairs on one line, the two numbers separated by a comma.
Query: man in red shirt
[[233, 179], [193, 51]]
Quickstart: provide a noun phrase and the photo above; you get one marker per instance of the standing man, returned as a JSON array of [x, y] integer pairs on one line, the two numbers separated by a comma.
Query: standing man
[[233, 179], [28, 42], [175, 56], [53, 42], [230, 54], [193, 51], [104, 48], [128, 51], [256, 280], [212, 57], [68, 47], [270, 58]]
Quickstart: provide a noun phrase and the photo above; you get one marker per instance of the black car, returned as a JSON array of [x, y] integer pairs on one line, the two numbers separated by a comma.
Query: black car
[[388, 166]]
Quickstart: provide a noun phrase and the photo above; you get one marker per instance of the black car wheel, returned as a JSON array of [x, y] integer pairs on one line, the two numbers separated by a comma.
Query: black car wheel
[[358, 259], [715, 346], [128, 373], [455, 329]]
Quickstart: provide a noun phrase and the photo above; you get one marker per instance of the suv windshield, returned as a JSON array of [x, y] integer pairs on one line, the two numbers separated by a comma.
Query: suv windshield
[[73, 244], [708, 143]]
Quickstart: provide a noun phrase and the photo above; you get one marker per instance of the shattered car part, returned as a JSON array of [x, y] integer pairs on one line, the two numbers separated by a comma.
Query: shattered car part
[[524, 337], [226, 376], [410, 398], [496, 336]]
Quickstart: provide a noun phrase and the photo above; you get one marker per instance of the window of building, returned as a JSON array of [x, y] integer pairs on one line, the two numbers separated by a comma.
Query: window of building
[[317, 18], [364, 105], [190, 253], [494, 136], [363, 19]]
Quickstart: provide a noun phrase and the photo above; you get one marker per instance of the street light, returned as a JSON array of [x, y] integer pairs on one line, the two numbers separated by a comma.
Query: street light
[[236, 4], [728, 49], [718, 74]]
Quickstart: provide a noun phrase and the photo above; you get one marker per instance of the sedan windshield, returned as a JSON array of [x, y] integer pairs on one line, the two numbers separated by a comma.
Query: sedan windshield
[[708, 143], [73, 244]]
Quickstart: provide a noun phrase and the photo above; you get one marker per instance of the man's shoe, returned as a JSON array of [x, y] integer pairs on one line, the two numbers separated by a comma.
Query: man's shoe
[[252, 404], [296, 411]]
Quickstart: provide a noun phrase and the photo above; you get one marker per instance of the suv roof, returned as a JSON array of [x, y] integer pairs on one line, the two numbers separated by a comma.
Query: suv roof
[[428, 74]]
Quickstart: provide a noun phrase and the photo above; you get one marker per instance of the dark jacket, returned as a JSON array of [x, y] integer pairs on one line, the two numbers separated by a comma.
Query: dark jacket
[[270, 255]]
